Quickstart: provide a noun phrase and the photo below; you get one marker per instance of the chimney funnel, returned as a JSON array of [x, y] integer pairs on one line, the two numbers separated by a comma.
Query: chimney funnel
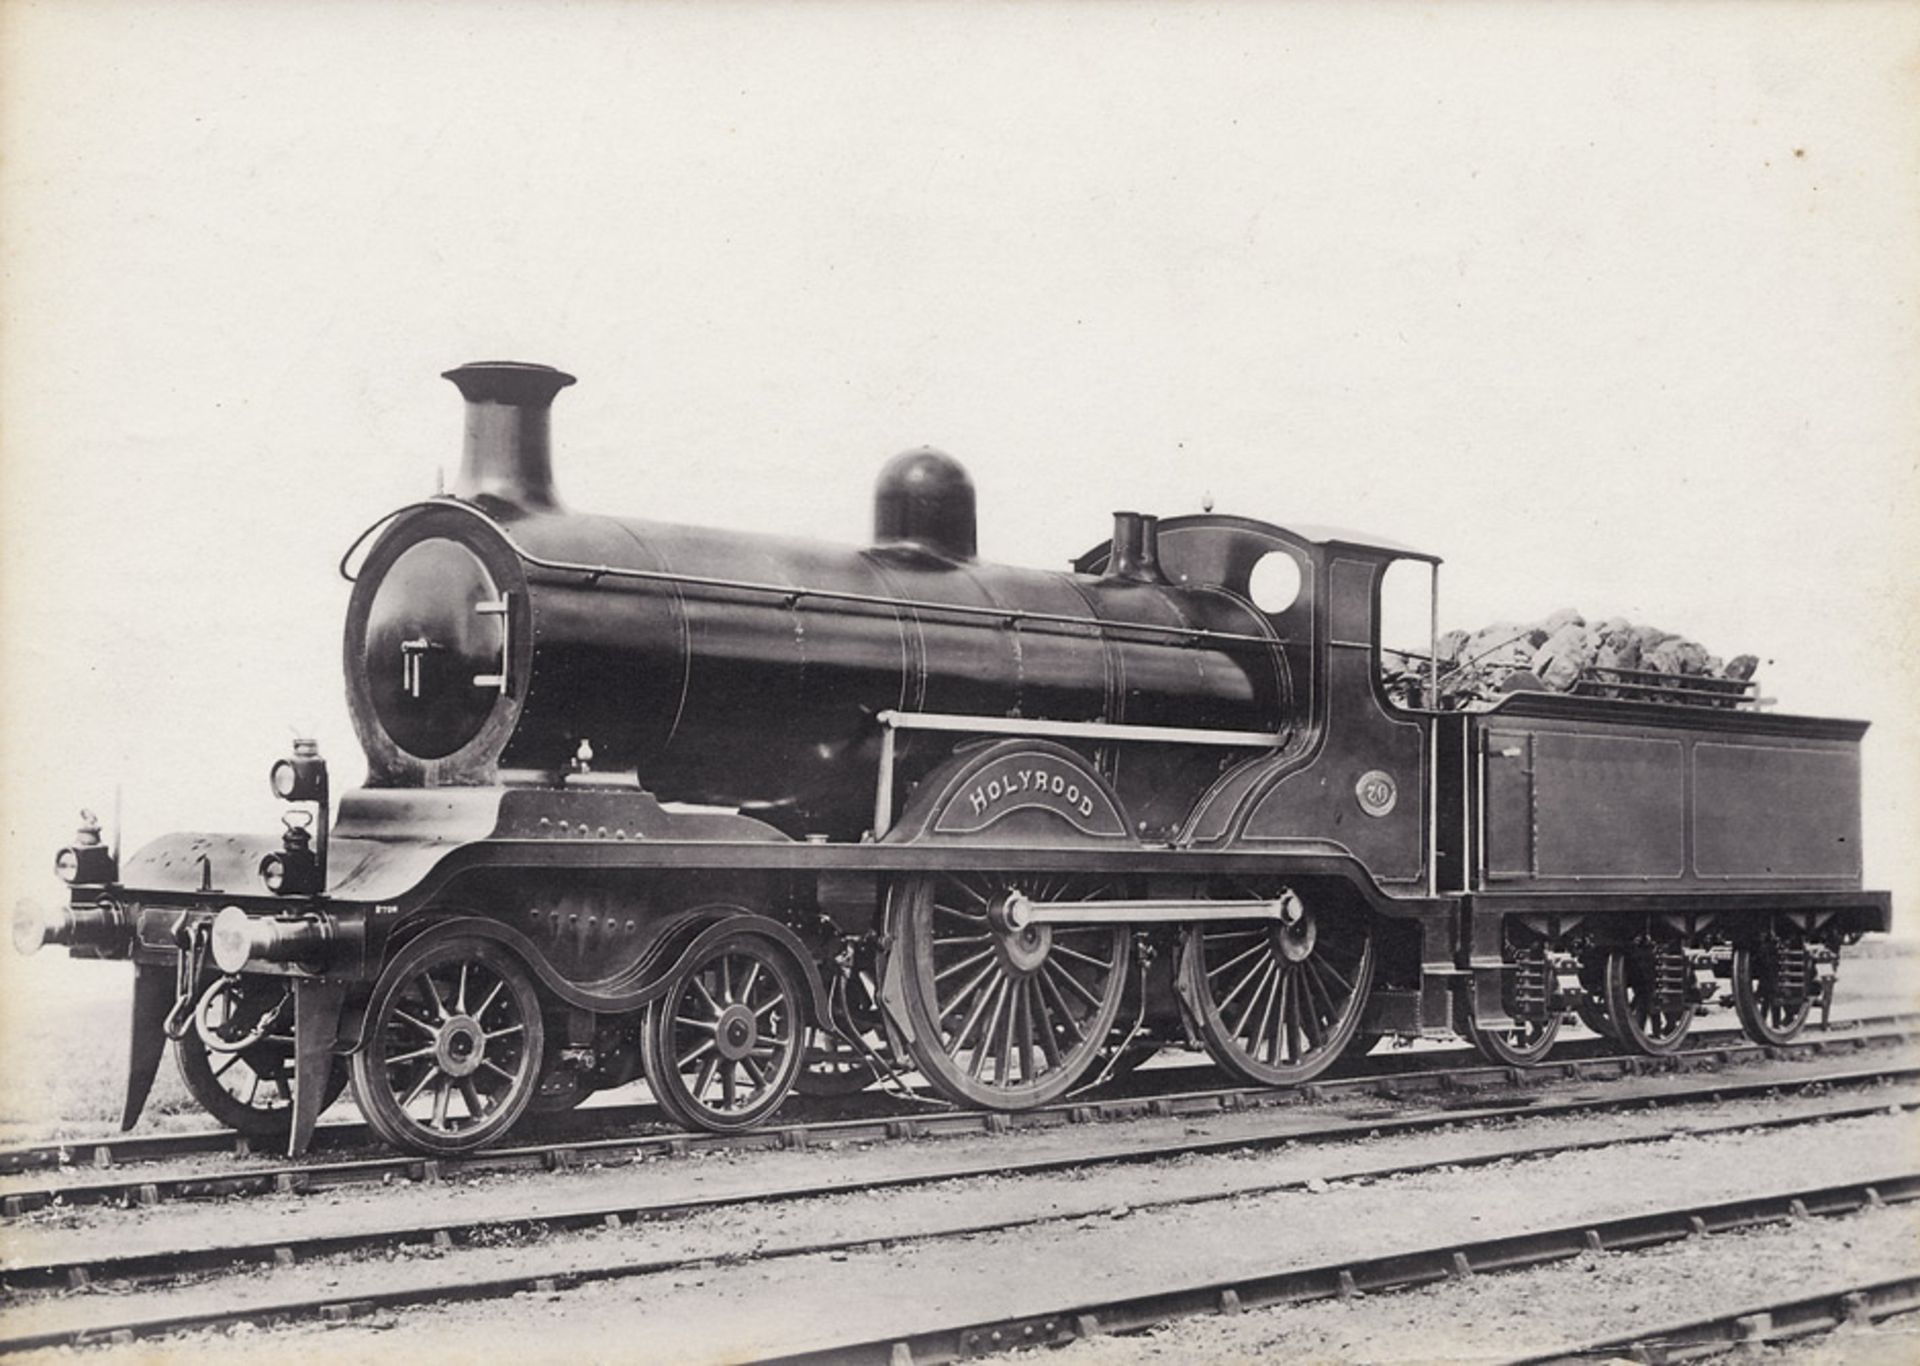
[[507, 456], [1135, 556]]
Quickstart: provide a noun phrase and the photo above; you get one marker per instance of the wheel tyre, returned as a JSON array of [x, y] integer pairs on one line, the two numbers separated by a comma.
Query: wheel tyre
[[1523, 1045], [1004, 1019], [1591, 1004], [1309, 986], [1637, 1025], [453, 1018], [1765, 1021], [265, 1069], [725, 1043]]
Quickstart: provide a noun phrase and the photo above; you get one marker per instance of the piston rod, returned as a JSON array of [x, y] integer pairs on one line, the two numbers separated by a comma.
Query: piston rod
[[1021, 911]]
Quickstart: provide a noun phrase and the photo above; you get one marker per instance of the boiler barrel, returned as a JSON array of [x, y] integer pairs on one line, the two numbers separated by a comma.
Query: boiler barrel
[[468, 654]]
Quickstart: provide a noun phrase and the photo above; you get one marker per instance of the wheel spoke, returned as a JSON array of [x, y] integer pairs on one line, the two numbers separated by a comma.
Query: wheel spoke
[[943, 1009], [704, 1047], [986, 1039], [498, 987], [476, 1107], [708, 1071], [492, 1034], [440, 1097], [1252, 974], [1104, 964], [1268, 973], [707, 996], [460, 997], [431, 1030], [746, 987], [433, 990], [1065, 1017], [962, 964], [1059, 971], [426, 1077], [1237, 959], [1039, 1015]]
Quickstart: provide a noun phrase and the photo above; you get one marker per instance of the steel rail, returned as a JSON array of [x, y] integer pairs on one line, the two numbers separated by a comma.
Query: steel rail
[[1344, 1279], [1573, 1060], [305, 1178], [1746, 1329], [1391, 1271], [78, 1272]]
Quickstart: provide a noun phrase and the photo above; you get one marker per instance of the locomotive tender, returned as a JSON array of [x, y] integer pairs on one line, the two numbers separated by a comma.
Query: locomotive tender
[[740, 813]]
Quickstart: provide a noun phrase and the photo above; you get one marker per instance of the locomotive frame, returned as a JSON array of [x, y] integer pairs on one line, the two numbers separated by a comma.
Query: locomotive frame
[[1149, 810]]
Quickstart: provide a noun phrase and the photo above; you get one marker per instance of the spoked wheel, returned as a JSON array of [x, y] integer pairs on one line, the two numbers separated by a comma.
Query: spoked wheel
[[453, 1045], [1770, 1010], [1637, 1021], [1004, 1017], [1521, 1046], [726, 1042], [237, 1058], [1278, 1001]]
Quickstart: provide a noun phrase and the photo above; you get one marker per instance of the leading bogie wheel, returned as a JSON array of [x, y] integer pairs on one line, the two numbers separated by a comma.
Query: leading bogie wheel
[[453, 1048], [1769, 1013], [1522, 1045], [237, 1056], [1278, 1001], [725, 1043], [1633, 1012], [1004, 1015]]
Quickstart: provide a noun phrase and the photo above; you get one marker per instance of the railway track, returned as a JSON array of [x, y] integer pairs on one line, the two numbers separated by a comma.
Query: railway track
[[1461, 1067], [1753, 1326], [1281, 1286], [1410, 1079], [93, 1270], [1399, 1270]]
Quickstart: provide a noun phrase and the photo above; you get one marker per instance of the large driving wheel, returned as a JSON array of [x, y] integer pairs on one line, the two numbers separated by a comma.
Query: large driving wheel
[[1277, 1001], [1772, 991], [726, 1041], [1523, 1045], [453, 1046], [237, 1057], [1636, 1017], [1004, 1017]]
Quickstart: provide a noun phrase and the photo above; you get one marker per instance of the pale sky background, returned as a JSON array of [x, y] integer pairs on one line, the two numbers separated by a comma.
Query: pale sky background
[[1613, 306]]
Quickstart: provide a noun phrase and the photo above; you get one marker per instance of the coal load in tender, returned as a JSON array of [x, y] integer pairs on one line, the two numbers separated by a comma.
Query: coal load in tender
[[1564, 653]]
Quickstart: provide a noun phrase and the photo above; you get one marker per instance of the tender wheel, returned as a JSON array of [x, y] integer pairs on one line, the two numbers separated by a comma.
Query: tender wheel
[[453, 1045], [1769, 1012], [1277, 1002], [1002, 1017], [1637, 1022], [726, 1041], [237, 1059], [1521, 1046]]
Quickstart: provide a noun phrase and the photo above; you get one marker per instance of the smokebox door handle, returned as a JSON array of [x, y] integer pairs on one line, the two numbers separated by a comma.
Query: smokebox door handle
[[504, 610]]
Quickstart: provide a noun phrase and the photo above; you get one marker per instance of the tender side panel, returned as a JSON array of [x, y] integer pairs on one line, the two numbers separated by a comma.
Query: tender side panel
[[1658, 805], [1776, 811]]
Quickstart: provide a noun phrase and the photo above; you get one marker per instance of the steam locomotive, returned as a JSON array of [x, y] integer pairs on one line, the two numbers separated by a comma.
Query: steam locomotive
[[744, 813]]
